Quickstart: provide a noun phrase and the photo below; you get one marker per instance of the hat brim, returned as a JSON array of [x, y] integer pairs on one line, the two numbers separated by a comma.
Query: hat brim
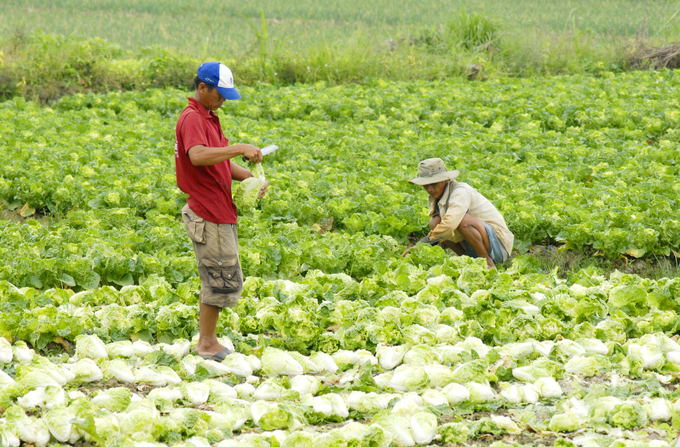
[[229, 93], [444, 176]]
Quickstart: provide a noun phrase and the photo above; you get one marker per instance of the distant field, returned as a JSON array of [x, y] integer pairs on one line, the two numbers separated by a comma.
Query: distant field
[[49, 48], [195, 26]]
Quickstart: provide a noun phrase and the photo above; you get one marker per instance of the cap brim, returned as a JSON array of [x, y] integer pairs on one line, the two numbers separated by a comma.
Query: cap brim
[[448, 175], [229, 93]]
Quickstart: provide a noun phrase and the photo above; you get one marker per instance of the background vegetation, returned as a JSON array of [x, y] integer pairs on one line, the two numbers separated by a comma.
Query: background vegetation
[[221, 25], [125, 44]]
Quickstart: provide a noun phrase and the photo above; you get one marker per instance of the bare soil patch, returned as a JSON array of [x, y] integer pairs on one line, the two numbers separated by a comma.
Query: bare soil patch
[[570, 261]]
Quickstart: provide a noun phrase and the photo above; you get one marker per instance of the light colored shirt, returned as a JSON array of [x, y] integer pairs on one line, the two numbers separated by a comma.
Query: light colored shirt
[[458, 199]]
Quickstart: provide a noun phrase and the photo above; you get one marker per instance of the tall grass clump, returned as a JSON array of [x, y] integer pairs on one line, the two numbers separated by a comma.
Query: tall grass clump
[[524, 54], [353, 60], [470, 30]]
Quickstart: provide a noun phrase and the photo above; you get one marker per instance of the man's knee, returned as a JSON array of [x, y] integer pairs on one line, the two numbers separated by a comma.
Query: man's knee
[[435, 221], [469, 222]]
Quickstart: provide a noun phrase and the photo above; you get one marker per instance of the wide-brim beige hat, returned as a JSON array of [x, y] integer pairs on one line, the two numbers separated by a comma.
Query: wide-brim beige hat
[[431, 171]]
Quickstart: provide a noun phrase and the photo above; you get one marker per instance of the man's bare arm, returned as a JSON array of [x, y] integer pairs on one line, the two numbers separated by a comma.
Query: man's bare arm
[[207, 156], [239, 173], [444, 229]]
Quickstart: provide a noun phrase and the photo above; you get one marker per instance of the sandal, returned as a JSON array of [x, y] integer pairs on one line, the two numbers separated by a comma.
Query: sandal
[[216, 357]]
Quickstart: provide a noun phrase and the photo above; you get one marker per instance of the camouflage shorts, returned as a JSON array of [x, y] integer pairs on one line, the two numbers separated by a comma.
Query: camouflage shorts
[[216, 249]]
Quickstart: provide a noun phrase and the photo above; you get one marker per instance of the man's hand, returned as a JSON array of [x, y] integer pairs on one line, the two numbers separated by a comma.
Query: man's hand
[[263, 191], [252, 153], [407, 251]]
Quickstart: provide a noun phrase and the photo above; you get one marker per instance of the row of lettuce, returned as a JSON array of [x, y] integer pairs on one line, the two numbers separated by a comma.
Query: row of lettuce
[[425, 298], [130, 393], [590, 162], [115, 247]]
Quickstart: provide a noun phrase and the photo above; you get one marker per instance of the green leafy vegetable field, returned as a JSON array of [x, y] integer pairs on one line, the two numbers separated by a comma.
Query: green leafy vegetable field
[[339, 341]]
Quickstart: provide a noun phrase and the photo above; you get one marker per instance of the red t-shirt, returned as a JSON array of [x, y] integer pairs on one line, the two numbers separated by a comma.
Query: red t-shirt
[[209, 187]]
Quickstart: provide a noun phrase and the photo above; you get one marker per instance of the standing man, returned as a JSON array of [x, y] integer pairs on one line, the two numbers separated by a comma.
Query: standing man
[[205, 172], [461, 218]]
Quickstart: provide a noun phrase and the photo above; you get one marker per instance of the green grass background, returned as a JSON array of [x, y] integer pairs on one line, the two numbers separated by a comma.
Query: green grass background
[[53, 48], [202, 26]]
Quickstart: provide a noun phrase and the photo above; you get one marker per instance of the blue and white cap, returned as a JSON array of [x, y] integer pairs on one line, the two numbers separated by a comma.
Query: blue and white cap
[[220, 76]]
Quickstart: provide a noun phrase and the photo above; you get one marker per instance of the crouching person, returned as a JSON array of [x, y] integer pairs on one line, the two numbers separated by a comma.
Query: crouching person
[[461, 218]]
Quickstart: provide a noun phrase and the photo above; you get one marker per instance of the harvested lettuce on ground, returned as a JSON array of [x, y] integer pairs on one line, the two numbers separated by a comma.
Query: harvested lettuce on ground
[[305, 384], [117, 369], [142, 421], [480, 393], [236, 412], [324, 363], [220, 391], [548, 387], [566, 422], [398, 428], [120, 349], [406, 407], [368, 402], [423, 427], [195, 392], [273, 390], [456, 393], [658, 409], [86, 370], [59, 423], [273, 416], [434, 398], [113, 399], [422, 355], [90, 346], [409, 378], [238, 364], [32, 399], [6, 353], [33, 378], [496, 425], [587, 365], [28, 428], [149, 376], [330, 404], [277, 362], [391, 356], [8, 438], [299, 439], [330, 439], [628, 415], [308, 367], [22, 353], [453, 432]]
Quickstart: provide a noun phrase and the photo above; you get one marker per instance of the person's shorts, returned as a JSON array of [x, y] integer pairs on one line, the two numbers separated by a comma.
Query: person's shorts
[[498, 253], [216, 249]]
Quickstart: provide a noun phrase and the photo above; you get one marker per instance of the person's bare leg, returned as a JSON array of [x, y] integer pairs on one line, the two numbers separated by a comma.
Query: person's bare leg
[[207, 330], [474, 232], [455, 246]]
